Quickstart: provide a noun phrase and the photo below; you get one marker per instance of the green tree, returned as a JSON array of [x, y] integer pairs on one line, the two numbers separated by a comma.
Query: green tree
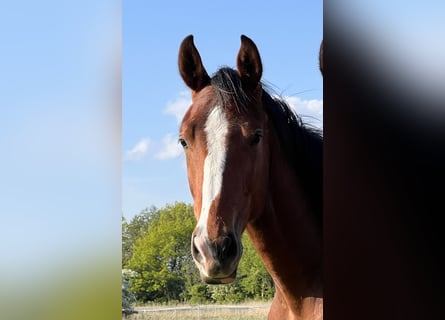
[[128, 297], [198, 292], [161, 257], [255, 281], [136, 228], [230, 293], [156, 244]]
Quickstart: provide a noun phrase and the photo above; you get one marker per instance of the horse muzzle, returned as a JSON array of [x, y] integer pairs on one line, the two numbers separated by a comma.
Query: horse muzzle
[[217, 260]]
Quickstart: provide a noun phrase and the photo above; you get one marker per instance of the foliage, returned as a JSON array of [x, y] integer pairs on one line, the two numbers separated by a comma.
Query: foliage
[[128, 297], [157, 250], [161, 256], [137, 228], [199, 293], [255, 281]]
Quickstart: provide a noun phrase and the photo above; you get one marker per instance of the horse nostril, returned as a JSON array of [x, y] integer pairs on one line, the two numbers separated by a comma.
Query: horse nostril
[[226, 244], [195, 252], [227, 248]]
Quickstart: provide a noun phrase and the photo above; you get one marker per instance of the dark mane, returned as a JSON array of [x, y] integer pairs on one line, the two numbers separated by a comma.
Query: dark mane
[[302, 144], [228, 87]]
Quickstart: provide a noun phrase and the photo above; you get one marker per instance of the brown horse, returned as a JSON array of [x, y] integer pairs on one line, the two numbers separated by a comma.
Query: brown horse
[[252, 165]]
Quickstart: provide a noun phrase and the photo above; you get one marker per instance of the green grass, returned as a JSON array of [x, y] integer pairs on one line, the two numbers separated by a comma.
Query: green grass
[[253, 311]]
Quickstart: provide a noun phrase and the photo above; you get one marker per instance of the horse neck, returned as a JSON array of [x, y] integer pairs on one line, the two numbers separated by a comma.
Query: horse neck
[[287, 236]]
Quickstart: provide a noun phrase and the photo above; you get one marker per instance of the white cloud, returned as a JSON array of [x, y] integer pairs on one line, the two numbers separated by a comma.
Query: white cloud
[[138, 151], [311, 111], [170, 148], [179, 106]]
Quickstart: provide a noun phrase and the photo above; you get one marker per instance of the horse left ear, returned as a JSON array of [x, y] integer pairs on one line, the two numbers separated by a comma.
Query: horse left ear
[[190, 66], [249, 64]]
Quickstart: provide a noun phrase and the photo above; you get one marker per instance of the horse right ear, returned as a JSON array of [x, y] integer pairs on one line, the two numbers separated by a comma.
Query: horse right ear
[[249, 63], [190, 66]]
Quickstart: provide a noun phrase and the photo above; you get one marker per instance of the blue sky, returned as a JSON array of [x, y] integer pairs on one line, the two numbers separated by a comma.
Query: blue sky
[[288, 35]]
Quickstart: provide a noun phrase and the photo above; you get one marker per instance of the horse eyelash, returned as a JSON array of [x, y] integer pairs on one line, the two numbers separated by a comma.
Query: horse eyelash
[[257, 137], [183, 143]]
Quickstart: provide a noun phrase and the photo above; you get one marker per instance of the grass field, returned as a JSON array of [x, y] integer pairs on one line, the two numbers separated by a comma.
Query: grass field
[[254, 311]]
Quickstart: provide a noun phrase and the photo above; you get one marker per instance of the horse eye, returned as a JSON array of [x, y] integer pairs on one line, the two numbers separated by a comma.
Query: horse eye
[[257, 137], [183, 143]]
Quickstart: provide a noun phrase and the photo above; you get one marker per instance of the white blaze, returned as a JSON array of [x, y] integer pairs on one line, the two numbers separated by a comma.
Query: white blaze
[[216, 128]]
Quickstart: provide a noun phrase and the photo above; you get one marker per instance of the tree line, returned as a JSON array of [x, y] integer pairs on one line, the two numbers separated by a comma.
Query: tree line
[[158, 266]]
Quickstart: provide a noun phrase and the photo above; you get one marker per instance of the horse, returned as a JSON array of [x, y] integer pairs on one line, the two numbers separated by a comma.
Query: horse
[[252, 164]]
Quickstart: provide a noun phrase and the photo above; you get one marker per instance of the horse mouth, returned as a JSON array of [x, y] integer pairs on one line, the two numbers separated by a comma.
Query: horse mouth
[[218, 262], [218, 280]]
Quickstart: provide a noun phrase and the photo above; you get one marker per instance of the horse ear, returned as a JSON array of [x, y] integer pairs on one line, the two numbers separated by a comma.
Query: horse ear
[[249, 63], [190, 65], [320, 57]]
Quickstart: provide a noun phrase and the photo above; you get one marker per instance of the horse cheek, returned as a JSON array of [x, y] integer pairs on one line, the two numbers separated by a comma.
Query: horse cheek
[[195, 179]]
